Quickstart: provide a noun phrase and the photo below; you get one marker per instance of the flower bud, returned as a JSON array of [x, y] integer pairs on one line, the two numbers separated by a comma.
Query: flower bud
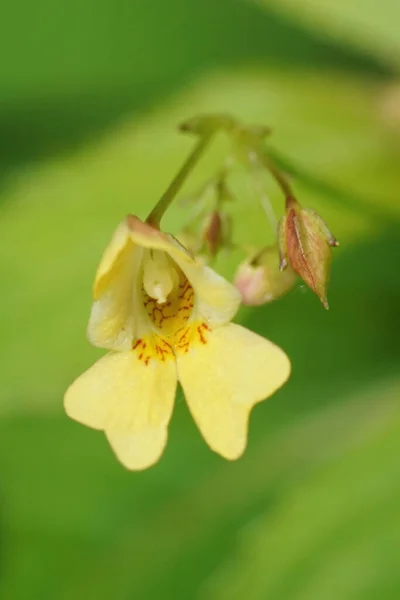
[[260, 280], [305, 243], [214, 234]]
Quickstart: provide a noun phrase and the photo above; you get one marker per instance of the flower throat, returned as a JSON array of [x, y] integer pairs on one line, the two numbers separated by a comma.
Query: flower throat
[[167, 294]]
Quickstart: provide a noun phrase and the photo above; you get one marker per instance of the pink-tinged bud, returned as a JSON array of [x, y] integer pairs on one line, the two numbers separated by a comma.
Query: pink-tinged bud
[[260, 280], [305, 243]]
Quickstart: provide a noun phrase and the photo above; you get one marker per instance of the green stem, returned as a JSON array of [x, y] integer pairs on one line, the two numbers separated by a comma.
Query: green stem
[[167, 198], [275, 172], [264, 199], [255, 158]]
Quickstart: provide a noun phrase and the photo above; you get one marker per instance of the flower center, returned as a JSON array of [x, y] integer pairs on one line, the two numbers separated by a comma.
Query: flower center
[[167, 293], [159, 275]]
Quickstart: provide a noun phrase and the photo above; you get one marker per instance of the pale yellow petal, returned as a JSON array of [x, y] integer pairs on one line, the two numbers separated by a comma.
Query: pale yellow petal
[[224, 378], [116, 309], [120, 244], [131, 401], [138, 450], [216, 300]]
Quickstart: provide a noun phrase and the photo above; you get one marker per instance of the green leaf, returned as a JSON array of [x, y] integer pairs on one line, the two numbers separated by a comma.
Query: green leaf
[[334, 532], [363, 24]]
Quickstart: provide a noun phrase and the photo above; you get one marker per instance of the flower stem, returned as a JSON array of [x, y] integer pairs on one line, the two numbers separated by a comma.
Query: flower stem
[[279, 177], [264, 199], [255, 158], [167, 198]]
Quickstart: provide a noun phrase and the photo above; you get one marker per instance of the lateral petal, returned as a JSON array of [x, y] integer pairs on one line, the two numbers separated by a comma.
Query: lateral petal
[[223, 377], [130, 400]]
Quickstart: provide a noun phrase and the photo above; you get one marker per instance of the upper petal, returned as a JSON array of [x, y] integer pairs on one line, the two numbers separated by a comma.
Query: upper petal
[[130, 400], [224, 378]]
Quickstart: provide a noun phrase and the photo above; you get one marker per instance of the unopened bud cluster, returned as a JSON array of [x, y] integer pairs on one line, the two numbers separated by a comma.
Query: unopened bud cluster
[[304, 242]]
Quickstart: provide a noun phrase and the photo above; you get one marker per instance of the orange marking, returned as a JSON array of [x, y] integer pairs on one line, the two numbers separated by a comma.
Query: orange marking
[[183, 342], [168, 345], [185, 307], [184, 335], [160, 351], [137, 343], [200, 332]]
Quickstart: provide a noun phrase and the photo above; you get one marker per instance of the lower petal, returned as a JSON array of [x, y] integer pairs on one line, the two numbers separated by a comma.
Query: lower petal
[[224, 377], [130, 400], [138, 450]]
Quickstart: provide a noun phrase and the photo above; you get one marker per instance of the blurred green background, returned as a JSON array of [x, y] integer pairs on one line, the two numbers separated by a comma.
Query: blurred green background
[[90, 94]]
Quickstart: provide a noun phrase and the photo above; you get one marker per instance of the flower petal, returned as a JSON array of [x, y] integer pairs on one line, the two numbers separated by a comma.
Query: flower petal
[[216, 301], [128, 399], [139, 450], [116, 294], [222, 380]]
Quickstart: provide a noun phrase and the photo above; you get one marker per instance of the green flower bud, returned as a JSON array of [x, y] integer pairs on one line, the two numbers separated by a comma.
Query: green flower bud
[[305, 244], [213, 234]]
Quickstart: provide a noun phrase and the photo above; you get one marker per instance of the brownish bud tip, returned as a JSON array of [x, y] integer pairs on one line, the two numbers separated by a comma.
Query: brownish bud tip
[[213, 232], [291, 203]]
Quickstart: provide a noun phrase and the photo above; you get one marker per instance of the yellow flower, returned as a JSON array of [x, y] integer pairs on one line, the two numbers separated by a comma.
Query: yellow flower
[[166, 318]]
